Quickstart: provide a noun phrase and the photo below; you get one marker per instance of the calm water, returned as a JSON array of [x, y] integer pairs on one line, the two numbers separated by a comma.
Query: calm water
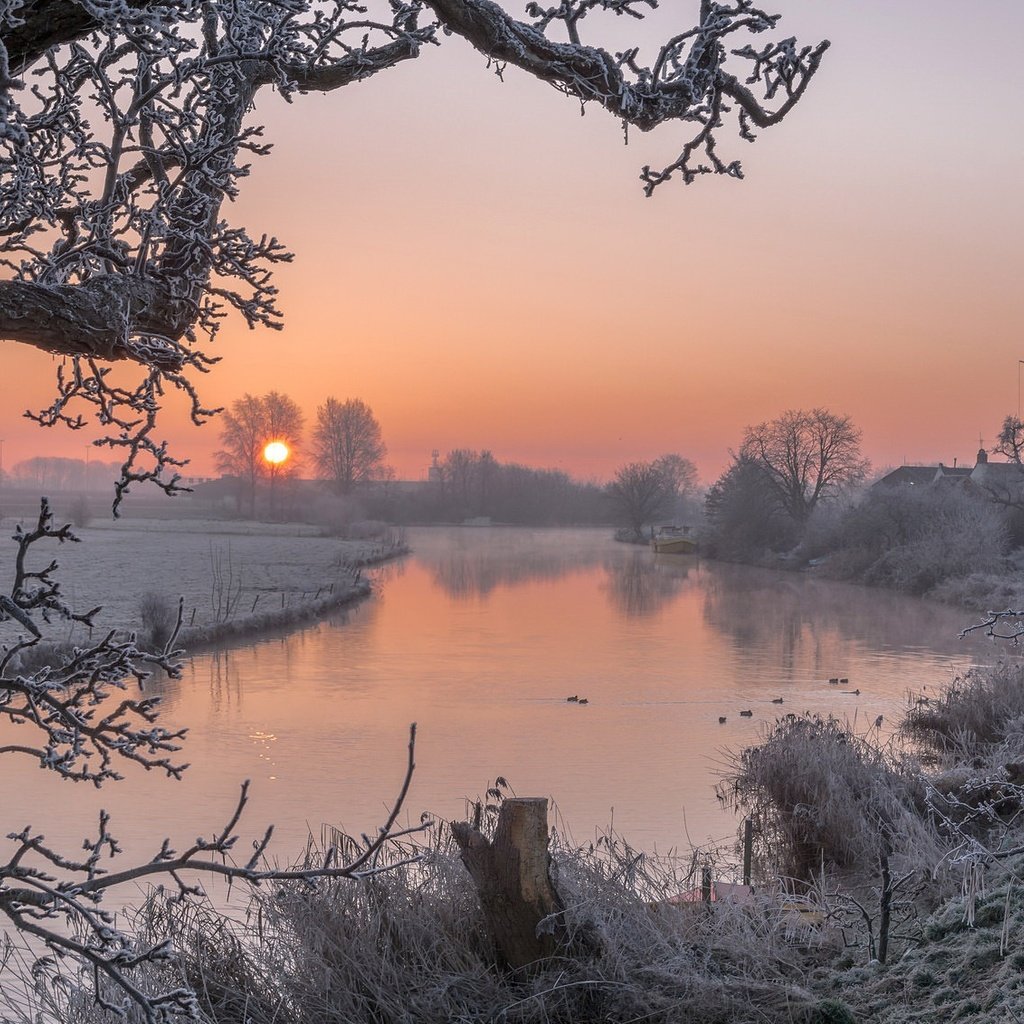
[[479, 637]]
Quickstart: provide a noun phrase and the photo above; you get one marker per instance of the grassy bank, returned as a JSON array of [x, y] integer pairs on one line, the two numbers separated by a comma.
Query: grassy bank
[[232, 578]]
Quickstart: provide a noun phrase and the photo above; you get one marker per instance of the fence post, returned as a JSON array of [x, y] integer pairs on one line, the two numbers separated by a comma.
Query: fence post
[[748, 849]]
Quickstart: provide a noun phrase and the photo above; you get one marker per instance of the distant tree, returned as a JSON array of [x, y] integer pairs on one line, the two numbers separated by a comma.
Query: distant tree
[[347, 445], [679, 472], [243, 434], [744, 517], [56, 473], [1010, 442], [807, 456], [247, 427], [641, 493], [459, 478], [285, 422]]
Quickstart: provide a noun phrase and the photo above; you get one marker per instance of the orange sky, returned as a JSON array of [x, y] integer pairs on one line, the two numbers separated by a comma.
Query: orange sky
[[479, 264]]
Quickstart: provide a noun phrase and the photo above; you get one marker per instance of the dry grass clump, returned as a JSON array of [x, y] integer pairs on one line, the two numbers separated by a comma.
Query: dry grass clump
[[980, 710], [821, 795], [158, 615], [408, 946]]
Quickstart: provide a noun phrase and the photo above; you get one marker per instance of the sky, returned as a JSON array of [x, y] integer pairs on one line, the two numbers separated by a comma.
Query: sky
[[478, 262]]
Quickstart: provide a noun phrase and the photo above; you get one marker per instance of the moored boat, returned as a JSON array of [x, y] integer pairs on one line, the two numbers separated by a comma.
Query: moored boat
[[673, 540]]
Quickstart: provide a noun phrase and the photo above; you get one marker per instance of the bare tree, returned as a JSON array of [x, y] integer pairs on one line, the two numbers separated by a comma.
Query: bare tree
[[137, 126], [640, 493], [248, 427], [347, 445], [679, 472], [807, 456], [77, 716], [1010, 442], [243, 435]]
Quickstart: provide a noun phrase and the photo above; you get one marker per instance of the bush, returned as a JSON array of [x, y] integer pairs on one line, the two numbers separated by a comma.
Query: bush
[[982, 709], [821, 795], [159, 616], [915, 540], [409, 946], [79, 513]]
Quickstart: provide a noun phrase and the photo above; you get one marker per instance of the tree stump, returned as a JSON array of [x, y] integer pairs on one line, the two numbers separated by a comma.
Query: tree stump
[[512, 876]]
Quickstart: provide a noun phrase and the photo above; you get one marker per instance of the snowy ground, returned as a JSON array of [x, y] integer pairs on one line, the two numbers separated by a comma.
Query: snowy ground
[[225, 571]]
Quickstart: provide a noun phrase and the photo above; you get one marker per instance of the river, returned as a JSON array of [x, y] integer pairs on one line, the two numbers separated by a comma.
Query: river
[[479, 637]]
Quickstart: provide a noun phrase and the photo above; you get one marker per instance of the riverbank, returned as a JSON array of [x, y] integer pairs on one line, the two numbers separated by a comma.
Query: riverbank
[[233, 579], [926, 931]]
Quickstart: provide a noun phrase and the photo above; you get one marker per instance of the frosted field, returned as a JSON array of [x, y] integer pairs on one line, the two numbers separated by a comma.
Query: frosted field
[[210, 563]]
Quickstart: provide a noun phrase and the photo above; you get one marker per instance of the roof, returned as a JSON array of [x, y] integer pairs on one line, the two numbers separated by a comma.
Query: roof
[[908, 476]]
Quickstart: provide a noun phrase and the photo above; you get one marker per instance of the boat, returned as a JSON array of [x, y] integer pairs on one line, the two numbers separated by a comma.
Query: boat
[[673, 540]]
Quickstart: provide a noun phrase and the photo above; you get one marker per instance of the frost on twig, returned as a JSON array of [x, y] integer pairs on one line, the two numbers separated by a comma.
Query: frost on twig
[[83, 716], [1008, 625]]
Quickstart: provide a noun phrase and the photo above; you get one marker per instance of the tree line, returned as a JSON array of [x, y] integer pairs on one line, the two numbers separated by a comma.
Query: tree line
[[346, 446]]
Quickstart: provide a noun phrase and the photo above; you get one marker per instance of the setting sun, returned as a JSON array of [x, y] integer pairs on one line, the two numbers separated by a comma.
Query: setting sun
[[276, 452]]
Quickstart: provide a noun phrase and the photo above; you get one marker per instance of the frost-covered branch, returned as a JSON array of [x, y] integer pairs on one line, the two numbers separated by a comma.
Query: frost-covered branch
[[1008, 625], [126, 124], [688, 81], [75, 726], [40, 888]]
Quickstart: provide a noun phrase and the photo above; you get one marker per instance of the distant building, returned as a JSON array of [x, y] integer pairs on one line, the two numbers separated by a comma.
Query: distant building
[[434, 470], [1001, 481]]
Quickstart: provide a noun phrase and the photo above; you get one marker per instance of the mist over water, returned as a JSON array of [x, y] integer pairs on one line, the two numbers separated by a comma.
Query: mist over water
[[479, 636]]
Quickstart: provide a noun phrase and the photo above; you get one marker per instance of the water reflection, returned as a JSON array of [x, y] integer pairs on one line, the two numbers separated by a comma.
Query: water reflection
[[799, 618], [478, 637], [641, 584], [474, 562]]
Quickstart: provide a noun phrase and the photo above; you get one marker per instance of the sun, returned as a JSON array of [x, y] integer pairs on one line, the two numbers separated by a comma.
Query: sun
[[276, 452]]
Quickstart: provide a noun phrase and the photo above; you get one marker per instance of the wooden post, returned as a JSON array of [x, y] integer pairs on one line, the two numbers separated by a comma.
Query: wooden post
[[512, 877], [705, 884], [748, 849]]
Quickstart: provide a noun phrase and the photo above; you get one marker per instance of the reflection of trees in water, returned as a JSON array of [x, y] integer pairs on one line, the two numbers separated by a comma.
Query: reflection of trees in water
[[476, 573], [799, 617], [642, 584], [225, 680], [477, 569], [474, 563]]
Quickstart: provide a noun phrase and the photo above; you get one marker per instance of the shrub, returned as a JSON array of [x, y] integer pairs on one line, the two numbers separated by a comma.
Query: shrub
[[408, 946], [159, 616], [914, 540], [981, 709], [820, 794], [79, 513]]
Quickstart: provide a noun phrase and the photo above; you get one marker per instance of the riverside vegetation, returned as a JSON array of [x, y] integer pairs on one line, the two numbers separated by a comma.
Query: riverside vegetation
[[887, 888]]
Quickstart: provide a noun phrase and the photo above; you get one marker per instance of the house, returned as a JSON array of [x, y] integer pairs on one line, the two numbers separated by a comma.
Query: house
[[1001, 481]]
